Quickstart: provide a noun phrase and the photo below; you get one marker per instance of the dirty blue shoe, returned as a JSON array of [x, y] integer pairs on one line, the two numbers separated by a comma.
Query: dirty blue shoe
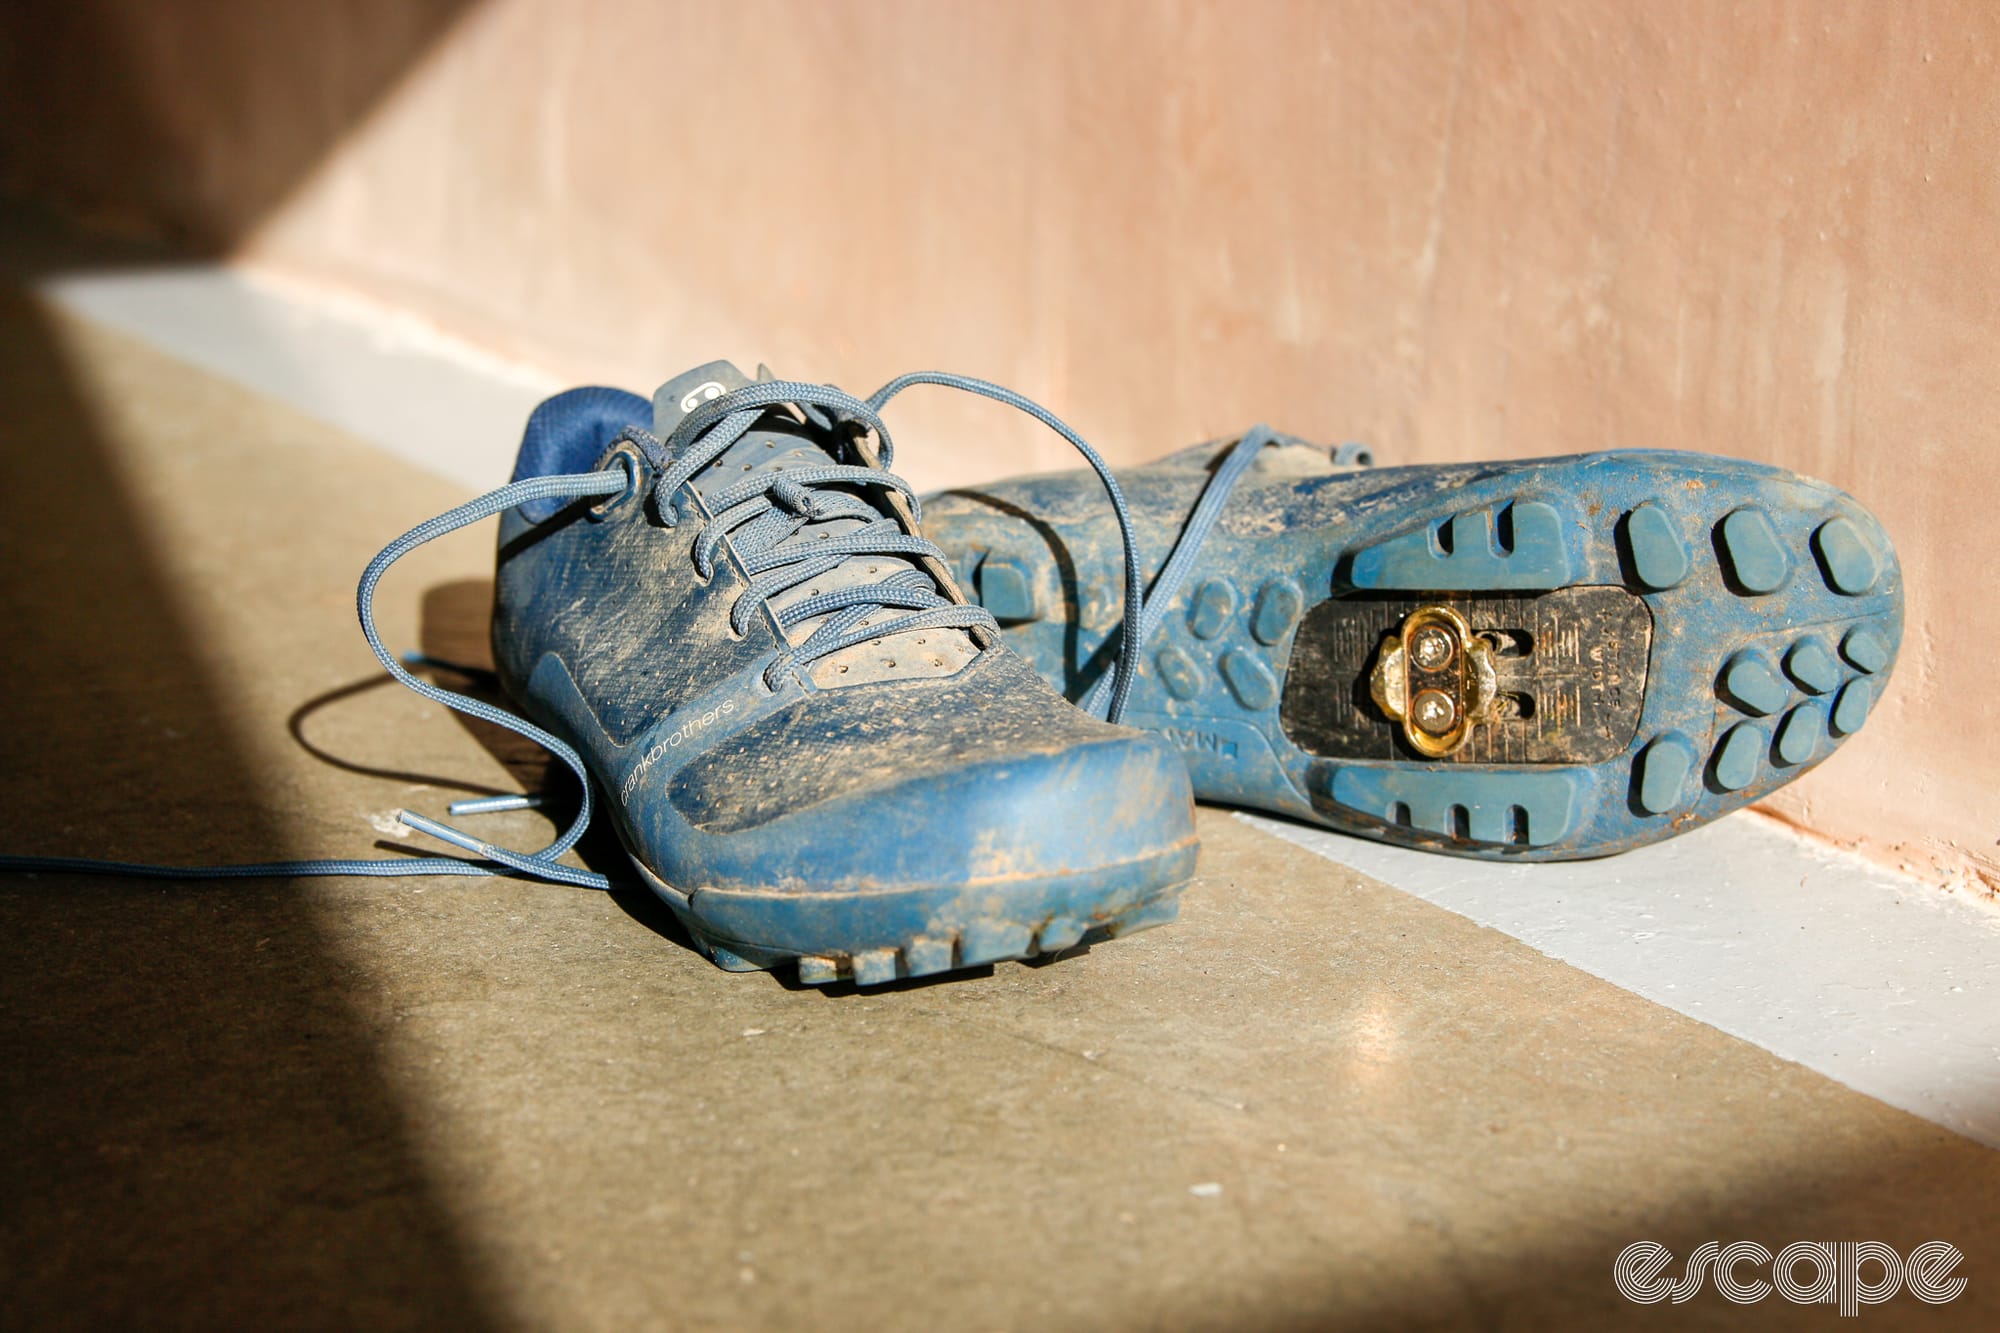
[[720, 613], [812, 747], [1537, 660]]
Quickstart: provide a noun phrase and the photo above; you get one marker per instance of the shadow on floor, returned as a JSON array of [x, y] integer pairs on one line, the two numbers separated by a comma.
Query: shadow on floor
[[199, 1128]]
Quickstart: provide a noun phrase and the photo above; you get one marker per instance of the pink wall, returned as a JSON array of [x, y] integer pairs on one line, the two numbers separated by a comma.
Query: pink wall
[[1451, 231]]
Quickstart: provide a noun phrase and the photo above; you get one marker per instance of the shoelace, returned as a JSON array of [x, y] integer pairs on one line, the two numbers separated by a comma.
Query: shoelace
[[763, 510], [1208, 508], [761, 514]]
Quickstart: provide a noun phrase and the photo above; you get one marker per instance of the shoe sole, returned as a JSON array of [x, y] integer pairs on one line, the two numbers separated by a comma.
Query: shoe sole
[[874, 937], [1687, 633]]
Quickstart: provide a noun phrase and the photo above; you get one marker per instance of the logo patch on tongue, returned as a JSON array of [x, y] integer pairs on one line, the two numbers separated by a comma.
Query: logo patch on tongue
[[684, 393]]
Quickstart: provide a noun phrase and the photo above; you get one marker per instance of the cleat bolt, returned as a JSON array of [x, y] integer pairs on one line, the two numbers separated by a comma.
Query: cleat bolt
[[1433, 711], [1432, 648]]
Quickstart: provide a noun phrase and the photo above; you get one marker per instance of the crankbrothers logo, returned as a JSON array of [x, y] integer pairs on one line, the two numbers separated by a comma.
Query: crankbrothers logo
[[687, 730], [700, 394], [1807, 1272]]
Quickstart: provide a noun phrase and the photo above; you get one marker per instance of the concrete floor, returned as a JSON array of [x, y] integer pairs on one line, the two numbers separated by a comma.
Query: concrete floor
[[1316, 1102]]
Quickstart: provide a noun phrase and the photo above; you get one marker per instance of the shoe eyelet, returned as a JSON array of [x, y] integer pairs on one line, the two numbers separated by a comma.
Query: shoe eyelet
[[627, 457]]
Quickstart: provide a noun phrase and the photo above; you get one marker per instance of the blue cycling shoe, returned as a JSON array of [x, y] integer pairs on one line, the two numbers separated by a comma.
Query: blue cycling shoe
[[1539, 660], [812, 749], [721, 614]]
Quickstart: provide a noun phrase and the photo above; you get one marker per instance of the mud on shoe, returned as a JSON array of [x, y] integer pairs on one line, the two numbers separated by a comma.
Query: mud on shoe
[[813, 748], [1537, 660]]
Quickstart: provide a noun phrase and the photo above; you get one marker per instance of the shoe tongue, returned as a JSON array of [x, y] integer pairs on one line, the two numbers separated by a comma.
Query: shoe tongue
[[778, 441], [683, 393]]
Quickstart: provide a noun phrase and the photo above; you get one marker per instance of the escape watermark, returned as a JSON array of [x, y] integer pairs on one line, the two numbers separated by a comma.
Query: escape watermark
[[1852, 1272]]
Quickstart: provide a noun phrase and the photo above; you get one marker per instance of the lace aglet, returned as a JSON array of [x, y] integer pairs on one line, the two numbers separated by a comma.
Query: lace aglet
[[493, 805], [444, 833]]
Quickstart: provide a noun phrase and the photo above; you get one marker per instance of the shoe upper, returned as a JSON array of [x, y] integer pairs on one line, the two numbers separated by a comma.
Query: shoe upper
[[671, 639]]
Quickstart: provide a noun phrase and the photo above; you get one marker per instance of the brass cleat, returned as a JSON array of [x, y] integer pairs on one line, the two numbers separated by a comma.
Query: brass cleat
[[1436, 678]]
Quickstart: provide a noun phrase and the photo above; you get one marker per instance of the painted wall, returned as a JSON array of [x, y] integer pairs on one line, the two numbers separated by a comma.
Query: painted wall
[[1484, 230]]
